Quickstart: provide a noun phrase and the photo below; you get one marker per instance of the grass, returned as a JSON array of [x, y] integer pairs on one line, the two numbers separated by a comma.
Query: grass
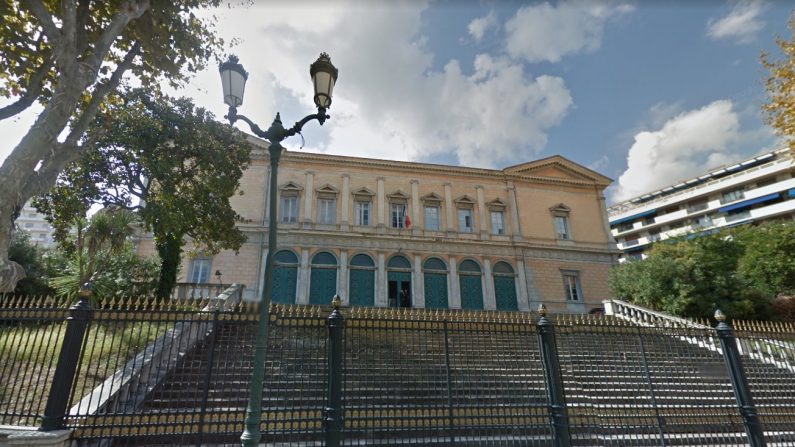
[[29, 353]]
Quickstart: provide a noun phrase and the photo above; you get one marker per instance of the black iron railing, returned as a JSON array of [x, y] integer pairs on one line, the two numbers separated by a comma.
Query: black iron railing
[[176, 373]]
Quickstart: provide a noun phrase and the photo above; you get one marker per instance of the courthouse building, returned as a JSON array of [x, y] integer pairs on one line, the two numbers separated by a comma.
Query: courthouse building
[[389, 233]]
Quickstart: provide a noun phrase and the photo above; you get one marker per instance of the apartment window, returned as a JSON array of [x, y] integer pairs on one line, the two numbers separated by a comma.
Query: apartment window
[[648, 220], [199, 270], [362, 213], [626, 226], [562, 227], [703, 221], [766, 182], [631, 240], [677, 224], [654, 236], [431, 218], [497, 222], [731, 196], [289, 209], [326, 211], [571, 285], [398, 215], [465, 220], [697, 205]]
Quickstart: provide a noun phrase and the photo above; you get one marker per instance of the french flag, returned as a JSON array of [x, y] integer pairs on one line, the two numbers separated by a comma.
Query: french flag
[[406, 220]]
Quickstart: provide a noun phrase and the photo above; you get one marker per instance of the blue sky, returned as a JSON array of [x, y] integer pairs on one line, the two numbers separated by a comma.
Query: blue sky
[[646, 93]]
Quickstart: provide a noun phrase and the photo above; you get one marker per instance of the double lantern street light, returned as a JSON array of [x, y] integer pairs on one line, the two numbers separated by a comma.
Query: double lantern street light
[[233, 80]]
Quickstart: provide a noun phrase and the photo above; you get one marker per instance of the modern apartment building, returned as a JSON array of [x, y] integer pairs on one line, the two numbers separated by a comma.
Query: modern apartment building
[[32, 221], [758, 189], [388, 233]]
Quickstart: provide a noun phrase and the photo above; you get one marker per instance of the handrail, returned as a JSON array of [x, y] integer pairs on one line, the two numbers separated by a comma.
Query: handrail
[[647, 317]]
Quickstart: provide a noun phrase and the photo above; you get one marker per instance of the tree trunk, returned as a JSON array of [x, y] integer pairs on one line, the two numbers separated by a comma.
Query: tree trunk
[[169, 247], [10, 271]]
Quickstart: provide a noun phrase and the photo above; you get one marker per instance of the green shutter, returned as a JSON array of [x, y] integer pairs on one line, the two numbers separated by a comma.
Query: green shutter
[[322, 285], [284, 280], [471, 292], [505, 291], [436, 291], [362, 287]]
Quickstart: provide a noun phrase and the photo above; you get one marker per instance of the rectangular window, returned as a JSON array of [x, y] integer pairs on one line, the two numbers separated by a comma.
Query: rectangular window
[[697, 205], [571, 283], [677, 224], [398, 213], [626, 226], [497, 222], [432, 218], [326, 211], [631, 240], [731, 196], [362, 213], [562, 227], [465, 220], [289, 209], [654, 236], [199, 270]]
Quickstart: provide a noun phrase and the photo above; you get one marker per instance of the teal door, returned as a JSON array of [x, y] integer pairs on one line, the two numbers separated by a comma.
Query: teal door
[[362, 288], [471, 292], [399, 289], [323, 279], [470, 285], [284, 280], [505, 291], [436, 290]]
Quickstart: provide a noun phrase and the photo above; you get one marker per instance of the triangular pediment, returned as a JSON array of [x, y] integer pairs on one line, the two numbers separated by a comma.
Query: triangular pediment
[[432, 197], [560, 208], [558, 168], [327, 189], [291, 186], [496, 204], [398, 195], [464, 200], [363, 192]]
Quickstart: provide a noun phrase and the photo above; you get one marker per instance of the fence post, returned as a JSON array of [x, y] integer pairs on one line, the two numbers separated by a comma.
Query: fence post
[[332, 414], [739, 383], [549, 360], [68, 358]]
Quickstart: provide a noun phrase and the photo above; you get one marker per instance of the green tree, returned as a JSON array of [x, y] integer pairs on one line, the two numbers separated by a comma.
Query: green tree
[[29, 257], [100, 252], [780, 86], [69, 56], [168, 161], [768, 261]]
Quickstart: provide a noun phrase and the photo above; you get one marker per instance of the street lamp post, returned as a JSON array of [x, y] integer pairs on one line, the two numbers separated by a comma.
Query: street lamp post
[[233, 80]]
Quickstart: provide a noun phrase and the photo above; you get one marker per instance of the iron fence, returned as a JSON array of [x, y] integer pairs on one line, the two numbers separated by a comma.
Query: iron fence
[[176, 373]]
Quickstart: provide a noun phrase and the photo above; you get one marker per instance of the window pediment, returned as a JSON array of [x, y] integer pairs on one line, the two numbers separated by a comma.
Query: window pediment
[[560, 210], [432, 199], [363, 194], [398, 197], [290, 189], [465, 202], [327, 191], [496, 205]]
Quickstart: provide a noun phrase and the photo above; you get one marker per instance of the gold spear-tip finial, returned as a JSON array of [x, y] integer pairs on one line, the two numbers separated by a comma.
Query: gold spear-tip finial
[[720, 316], [336, 302], [542, 310]]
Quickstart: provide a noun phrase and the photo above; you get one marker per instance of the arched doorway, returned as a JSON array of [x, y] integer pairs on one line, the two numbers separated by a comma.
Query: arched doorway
[[362, 281], [505, 286], [470, 284], [285, 277], [323, 279], [434, 272], [398, 278]]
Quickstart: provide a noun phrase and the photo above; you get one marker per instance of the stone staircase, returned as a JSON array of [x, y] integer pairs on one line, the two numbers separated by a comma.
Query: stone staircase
[[624, 385]]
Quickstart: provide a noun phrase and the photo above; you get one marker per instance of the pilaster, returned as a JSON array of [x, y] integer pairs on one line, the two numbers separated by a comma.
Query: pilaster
[[489, 297], [309, 199], [302, 291], [380, 281], [448, 225], [484, 232], [380, 204], [417, 285], [346, 203], [516, 230], [343, 279], [455, 287], [415, 207]]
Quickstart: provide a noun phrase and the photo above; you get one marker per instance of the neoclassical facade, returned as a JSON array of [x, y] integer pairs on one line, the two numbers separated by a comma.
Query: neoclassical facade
[[389, 233]]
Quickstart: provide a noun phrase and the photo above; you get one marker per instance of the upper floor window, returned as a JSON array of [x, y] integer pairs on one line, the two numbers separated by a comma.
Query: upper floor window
[[626, 226], [697, 205], [199, 271], [571, 285], [560, 219], [361, 212], [326, 210], [431, 217], [398, 215], [465, 220], [289, 209], [497, 222], [731, 196]]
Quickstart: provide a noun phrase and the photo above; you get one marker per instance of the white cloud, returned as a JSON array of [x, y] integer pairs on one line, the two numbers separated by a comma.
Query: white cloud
[[686, 145], [544, 32], [478, 27], [741, 24], [389, 102]]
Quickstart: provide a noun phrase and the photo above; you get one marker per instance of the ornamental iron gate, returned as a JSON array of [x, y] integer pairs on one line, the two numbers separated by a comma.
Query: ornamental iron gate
[[166, 373]]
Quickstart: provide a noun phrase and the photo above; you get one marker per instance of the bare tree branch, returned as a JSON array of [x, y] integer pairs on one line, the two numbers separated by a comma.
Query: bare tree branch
[[128, 11], [45, 19], [81, 39], [32, 91], [80, 126], [69, 28]]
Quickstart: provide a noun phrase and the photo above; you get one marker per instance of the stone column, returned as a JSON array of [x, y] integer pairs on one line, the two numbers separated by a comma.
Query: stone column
[[489, 296], [380, 204], [516, 230], [448, 226], [304, 276], [483, 224], [523, 298], [343, 278], [346, 203], [415, 207], [380, 282], [455, 287], [309, 199], [417, 285]]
